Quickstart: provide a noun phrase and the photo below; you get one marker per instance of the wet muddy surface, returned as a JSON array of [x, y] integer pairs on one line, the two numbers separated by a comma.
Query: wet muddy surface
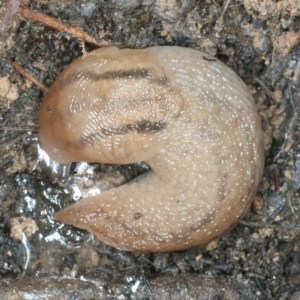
[[44, 259]]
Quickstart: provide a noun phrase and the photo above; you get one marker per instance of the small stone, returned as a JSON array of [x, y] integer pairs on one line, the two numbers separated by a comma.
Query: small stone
[[21, 227], [4, 86]]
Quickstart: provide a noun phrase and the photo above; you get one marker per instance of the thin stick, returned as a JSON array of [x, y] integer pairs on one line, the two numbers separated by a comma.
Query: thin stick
[[225, 8], [18, 129], [51, 22], [220, 21], [28, 76]]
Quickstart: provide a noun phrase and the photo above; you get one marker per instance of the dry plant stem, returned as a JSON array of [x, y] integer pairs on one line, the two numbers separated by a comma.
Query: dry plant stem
[[17, 129], [28, 76], [221, 19], [268, 91], [49, 21]]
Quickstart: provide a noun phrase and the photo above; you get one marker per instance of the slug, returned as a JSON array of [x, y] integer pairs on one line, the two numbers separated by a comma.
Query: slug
[[184, 113]]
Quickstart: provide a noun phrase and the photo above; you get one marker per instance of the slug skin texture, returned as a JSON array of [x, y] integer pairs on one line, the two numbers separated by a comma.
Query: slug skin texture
[[184, 113]]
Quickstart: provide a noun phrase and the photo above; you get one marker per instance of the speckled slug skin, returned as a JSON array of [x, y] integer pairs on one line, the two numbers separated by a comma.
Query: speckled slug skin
[[186, 114]]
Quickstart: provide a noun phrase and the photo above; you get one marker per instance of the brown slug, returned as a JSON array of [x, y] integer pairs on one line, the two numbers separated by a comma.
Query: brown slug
[[184, 113]]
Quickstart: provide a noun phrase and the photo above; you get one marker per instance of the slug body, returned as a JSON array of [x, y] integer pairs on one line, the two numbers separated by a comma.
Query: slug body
[[184, 113]]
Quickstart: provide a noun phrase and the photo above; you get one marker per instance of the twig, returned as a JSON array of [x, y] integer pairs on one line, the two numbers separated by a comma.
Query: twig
[[268, 91], [28, 76], [257, 224], [51, 22], [288, 139], [220, 21], [17, 129]]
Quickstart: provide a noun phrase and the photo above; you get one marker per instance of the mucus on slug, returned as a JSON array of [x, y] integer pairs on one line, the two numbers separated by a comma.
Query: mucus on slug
[[59, 172], [194, 123]]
